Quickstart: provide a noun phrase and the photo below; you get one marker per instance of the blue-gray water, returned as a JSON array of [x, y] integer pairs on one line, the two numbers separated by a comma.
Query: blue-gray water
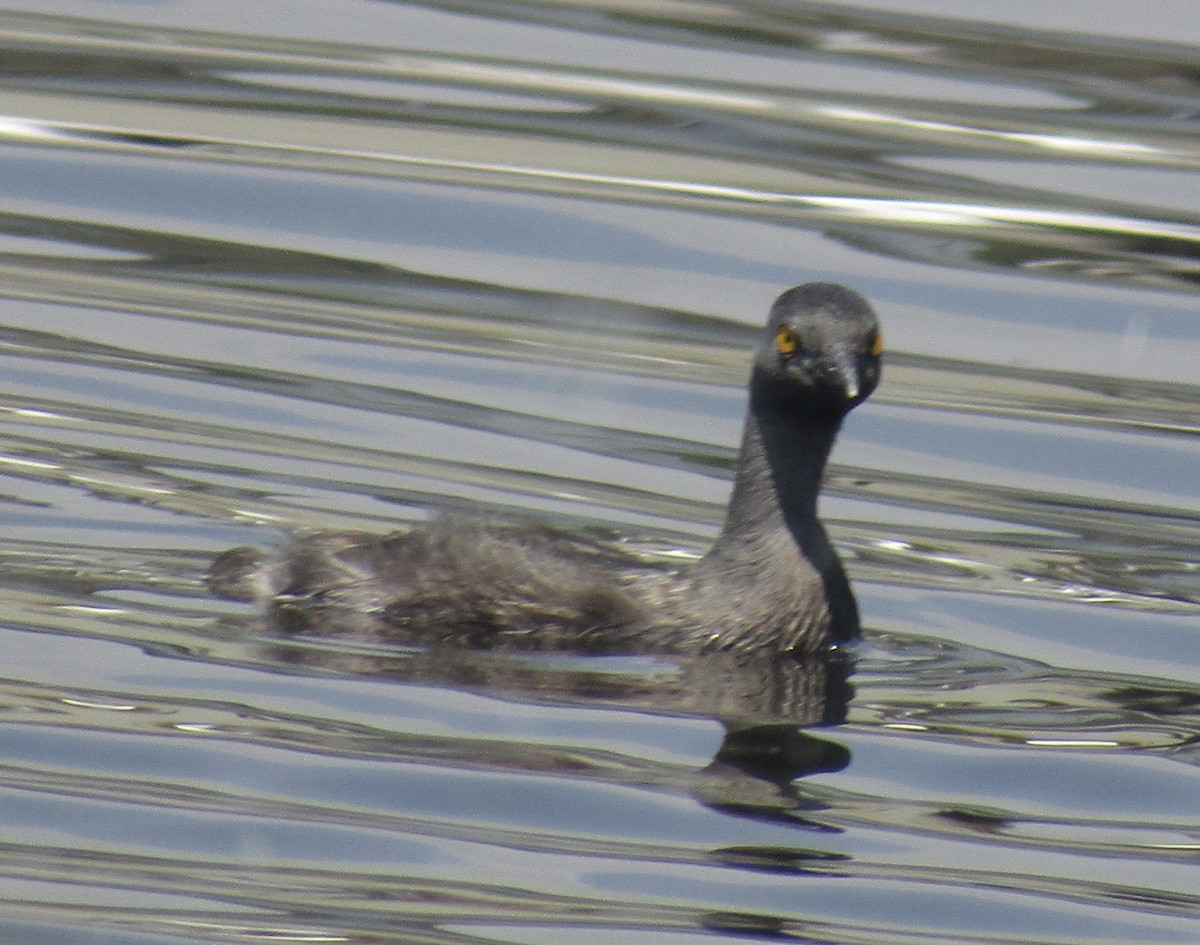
[[301, 264]]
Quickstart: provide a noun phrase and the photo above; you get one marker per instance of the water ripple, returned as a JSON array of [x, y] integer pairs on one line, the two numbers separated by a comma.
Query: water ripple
[[313, 271]]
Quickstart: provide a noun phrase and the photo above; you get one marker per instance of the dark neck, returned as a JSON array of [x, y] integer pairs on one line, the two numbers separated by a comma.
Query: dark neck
[[776, 485], [772, 539]]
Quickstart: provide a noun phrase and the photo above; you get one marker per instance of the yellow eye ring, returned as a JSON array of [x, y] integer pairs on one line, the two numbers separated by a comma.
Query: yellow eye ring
[[785, 340], [877, 345]]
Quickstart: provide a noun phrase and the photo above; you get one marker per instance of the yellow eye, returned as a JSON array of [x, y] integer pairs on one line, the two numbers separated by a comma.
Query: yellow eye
[[877, 345], [785, 340]]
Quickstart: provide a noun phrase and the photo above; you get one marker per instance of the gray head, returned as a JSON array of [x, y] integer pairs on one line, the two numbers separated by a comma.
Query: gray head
[[819, 355]]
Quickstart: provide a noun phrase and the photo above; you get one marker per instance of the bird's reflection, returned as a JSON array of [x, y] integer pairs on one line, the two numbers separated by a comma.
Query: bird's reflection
[[765, 752], [767, 702]]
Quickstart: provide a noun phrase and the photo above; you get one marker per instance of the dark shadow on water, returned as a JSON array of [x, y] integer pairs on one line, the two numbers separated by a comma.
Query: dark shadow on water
[[754, 774], [766, 703], [742, 689]]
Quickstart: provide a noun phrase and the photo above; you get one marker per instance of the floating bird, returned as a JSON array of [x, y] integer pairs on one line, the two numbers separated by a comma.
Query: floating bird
[[771, 582]]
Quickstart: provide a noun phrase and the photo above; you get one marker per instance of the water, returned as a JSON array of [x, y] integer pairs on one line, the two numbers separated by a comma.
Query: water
[[309, 264]]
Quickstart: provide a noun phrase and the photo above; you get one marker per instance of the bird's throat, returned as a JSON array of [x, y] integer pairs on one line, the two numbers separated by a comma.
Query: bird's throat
[[778, 477]]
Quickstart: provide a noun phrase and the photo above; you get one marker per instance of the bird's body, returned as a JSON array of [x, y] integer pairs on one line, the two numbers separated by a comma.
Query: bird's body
[[770, 582]]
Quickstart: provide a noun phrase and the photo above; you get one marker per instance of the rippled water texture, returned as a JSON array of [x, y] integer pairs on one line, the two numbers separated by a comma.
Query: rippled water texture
[[303, 264]]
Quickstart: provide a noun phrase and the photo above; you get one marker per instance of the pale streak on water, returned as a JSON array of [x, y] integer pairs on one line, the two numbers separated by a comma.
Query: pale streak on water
[[296, 265]]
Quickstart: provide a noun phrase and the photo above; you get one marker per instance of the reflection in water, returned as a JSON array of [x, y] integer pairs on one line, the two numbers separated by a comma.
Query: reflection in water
[[755, 774], [764, 701], [743, 689]]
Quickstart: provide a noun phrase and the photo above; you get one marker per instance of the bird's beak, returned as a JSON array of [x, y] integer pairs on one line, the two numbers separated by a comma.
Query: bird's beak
[[847, 369]]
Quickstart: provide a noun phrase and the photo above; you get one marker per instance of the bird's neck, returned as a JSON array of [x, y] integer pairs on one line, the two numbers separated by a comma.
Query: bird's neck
[[772, 540], [778, 477]]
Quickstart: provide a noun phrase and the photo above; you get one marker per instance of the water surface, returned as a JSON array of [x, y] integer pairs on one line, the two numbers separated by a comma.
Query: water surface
[[270, 266]]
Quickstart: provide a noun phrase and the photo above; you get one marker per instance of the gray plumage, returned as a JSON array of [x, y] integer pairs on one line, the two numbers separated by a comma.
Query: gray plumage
[[770, 582]]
